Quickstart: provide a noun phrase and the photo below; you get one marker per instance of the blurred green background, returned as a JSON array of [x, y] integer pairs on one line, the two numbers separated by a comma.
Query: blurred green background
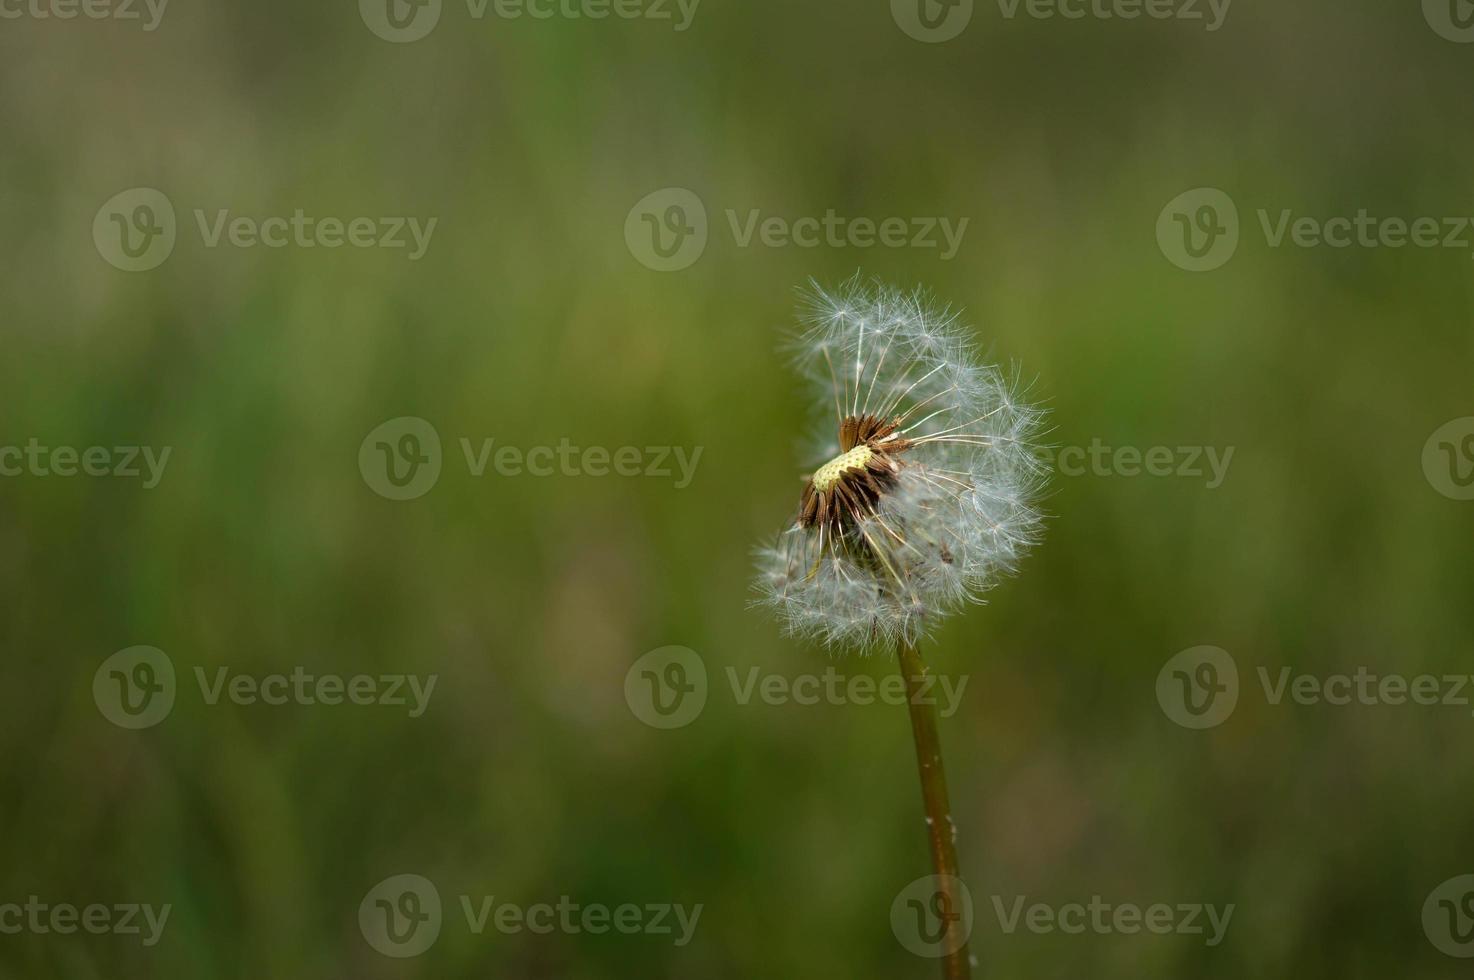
[[530, 320]]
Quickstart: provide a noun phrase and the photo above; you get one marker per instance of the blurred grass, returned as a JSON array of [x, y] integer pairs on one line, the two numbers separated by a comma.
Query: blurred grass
[[529, 321]]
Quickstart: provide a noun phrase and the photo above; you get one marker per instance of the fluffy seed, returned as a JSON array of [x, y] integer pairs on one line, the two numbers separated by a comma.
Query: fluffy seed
[[927, 495]]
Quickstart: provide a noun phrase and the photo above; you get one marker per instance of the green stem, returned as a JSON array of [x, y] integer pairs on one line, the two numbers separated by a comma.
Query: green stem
[[941, 832]]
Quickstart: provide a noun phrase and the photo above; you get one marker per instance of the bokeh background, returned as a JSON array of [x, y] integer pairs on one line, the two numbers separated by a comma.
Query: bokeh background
[[1325, 549]]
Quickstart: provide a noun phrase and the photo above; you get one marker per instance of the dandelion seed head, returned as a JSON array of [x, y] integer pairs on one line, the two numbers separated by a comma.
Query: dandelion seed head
[[924, 491]]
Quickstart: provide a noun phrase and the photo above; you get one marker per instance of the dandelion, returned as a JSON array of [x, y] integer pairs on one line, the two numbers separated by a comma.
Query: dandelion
[[925, 499], [927, 494]]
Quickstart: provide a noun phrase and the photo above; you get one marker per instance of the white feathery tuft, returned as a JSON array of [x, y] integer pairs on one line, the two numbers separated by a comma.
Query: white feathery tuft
[[961, 510]]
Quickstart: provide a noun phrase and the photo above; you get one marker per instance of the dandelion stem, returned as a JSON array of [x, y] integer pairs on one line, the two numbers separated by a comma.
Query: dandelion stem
[[941, 832]]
